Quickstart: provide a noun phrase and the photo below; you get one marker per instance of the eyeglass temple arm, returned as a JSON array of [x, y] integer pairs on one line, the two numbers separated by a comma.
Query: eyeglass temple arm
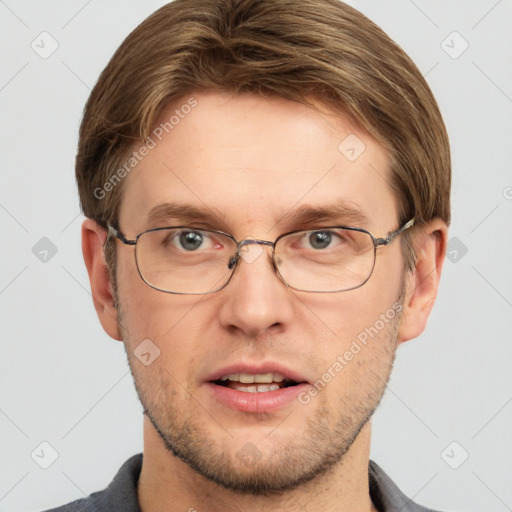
[[113, 232], [394, 234]]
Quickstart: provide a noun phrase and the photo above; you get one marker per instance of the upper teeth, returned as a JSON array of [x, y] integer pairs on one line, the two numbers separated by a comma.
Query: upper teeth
[[247, 378]]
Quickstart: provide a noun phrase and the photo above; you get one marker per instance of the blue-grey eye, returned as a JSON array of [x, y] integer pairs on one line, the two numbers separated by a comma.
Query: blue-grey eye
[[320, 239], [191, 240]]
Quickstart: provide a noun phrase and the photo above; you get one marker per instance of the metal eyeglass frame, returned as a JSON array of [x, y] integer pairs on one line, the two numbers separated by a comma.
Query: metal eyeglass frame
[[233, 261]]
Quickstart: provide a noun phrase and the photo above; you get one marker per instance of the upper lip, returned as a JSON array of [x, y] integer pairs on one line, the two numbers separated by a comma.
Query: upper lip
[[256, 369]]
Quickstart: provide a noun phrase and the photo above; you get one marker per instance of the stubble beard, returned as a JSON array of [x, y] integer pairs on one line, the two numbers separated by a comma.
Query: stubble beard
[[295, 461]]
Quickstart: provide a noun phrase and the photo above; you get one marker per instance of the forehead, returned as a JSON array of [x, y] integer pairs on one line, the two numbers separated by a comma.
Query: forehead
[[251, 162]]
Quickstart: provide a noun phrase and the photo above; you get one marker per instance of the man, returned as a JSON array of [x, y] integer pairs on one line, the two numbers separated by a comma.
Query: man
[[267, 190]]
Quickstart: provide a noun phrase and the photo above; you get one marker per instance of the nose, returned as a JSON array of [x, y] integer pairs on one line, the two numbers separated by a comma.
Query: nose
[[256, 300]]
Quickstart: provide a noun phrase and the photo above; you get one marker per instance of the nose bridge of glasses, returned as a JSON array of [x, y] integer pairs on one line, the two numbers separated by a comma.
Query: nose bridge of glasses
[[249, 250]]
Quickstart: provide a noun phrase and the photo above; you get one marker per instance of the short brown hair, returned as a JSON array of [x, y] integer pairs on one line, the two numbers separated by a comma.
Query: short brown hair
[[299, 50]]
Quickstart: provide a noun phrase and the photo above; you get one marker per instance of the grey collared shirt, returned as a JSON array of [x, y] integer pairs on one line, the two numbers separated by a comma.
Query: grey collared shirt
[[121, 494]]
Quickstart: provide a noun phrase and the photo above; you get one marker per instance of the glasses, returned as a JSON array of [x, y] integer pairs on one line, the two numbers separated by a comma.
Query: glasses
[[191, 261]]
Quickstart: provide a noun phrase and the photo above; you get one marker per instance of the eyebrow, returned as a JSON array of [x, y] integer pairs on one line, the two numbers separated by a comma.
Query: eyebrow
[[185, 214], [340, 213]]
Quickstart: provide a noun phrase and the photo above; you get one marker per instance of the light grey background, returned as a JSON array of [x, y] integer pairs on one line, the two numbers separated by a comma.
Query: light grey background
[[64, 382]]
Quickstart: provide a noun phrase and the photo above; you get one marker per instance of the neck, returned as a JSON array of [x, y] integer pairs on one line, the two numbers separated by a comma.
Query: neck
[[167, 483]]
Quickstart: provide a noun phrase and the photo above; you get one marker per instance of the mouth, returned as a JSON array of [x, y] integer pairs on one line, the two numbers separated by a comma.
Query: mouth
[[255, 383], [255, 389]]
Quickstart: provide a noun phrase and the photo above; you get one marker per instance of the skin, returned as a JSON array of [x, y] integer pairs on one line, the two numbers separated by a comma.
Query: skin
[[252, 161]]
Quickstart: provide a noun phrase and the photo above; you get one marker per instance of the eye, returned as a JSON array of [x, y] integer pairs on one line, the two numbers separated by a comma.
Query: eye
[[190, 240], [320, 239]]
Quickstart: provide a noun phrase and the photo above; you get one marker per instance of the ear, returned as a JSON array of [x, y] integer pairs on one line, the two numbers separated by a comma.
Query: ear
[[93, 239], [422, 282]]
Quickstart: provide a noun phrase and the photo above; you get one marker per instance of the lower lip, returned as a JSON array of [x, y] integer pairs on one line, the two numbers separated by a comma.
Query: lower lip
[[265, 401]]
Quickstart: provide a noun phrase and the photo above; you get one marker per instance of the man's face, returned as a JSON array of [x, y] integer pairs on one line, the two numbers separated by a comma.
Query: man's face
[[249, 163]]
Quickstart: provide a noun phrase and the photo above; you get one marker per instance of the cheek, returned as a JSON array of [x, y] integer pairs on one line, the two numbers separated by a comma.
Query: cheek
[[388, 273], [358, 336], [176, 324], [343, 317], [146, 311]]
